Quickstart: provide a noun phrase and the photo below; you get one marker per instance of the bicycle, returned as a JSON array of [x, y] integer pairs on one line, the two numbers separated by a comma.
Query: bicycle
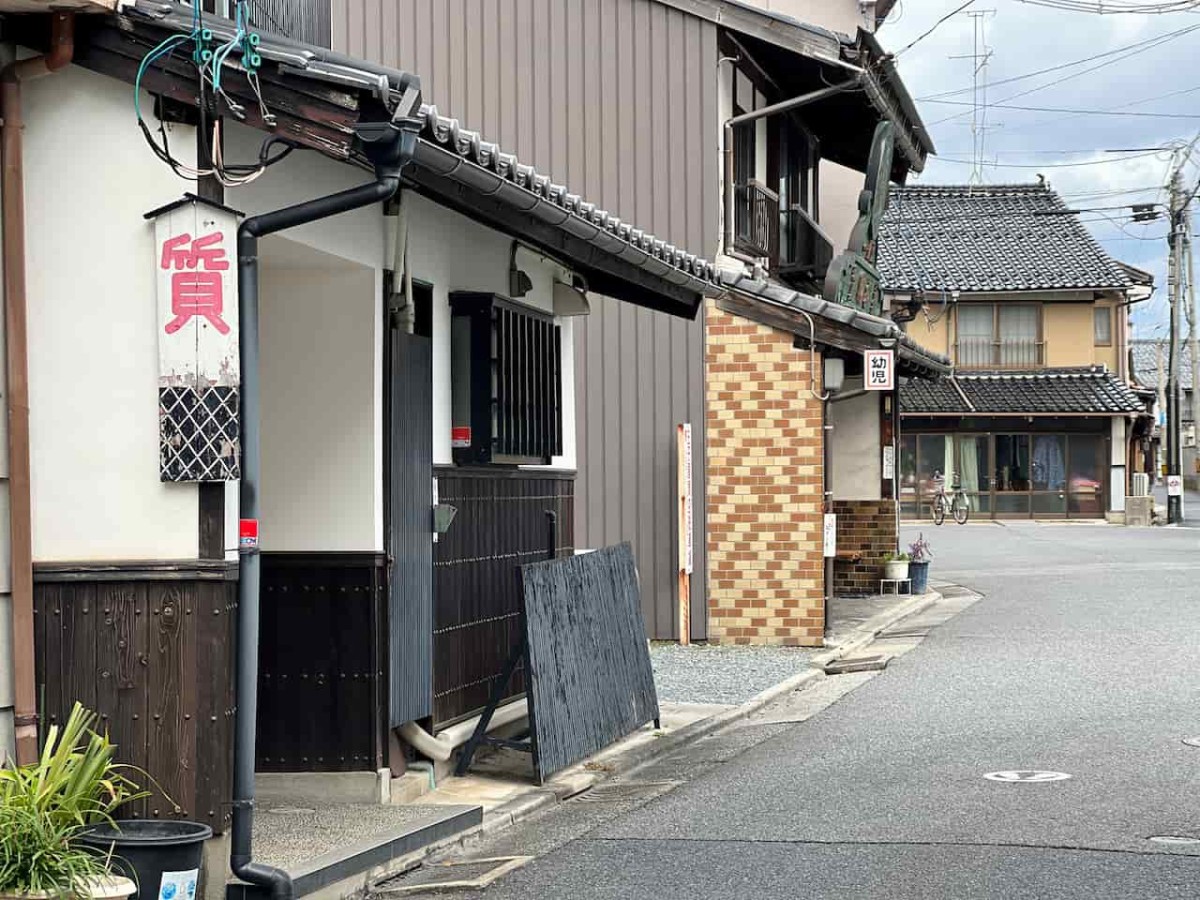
[[956, 500]]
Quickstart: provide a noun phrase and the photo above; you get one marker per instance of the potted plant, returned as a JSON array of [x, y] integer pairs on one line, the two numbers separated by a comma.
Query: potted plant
[[895, 566], [45, 807], [918, 567]]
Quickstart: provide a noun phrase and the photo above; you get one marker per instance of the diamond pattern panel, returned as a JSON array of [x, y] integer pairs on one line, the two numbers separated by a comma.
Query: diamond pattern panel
[[198, 434]]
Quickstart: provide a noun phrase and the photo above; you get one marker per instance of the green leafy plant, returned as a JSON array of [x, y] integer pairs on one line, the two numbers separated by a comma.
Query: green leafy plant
[[895, 557], [43, 806]]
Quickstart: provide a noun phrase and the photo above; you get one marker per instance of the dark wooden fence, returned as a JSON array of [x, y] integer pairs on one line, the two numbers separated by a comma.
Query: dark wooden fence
[[502, 523], [322, 663], [150, 649]]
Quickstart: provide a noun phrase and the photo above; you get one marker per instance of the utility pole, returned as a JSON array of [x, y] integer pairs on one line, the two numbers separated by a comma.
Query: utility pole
[[1193, 337], [1175, 271]]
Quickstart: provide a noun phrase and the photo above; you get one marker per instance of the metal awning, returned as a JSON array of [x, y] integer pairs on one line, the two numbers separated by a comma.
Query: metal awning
[[319, 96]]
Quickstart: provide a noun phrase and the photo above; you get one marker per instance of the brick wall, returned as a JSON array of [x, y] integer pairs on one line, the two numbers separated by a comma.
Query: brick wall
[[867, 527], [765, 568]]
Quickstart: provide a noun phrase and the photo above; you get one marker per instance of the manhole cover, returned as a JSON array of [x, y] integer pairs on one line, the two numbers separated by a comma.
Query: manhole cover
[[1026, 776], [1178, 839], [1192, 741], [291, 811], [619, 791]]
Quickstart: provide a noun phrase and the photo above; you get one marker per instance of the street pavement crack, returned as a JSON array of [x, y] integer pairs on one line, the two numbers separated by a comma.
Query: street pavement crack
[[1005, 845]]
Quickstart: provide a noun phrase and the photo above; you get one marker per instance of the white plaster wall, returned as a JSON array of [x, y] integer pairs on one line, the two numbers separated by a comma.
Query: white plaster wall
[[857, 458], [93, 371], [1117, 449], [838, 201], [455, 254], [319, 322]]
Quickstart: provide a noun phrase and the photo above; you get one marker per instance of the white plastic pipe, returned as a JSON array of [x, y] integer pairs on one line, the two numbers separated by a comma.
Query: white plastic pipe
[[442, 747]]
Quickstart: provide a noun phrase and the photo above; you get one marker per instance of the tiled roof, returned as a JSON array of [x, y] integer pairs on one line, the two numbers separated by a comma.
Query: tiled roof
[[1145, 362], [989, 238], [1090, 390]]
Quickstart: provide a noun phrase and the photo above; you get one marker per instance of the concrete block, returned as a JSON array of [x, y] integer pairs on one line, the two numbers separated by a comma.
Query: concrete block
[[297, 788], [1139, 511]]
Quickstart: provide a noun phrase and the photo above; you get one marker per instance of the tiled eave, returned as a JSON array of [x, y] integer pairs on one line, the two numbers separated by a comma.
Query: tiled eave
[[834, 325], [320, 96]]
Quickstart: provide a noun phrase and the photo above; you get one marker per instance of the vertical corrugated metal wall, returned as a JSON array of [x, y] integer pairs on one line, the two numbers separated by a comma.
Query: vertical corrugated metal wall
[[617, 99]]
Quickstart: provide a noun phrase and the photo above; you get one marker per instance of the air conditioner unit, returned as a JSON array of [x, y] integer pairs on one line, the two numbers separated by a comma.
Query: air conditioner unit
[[1141, 484]]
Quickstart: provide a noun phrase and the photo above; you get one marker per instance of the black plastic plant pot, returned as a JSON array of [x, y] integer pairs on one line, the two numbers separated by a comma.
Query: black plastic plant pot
[[919, 573], [163, 859]]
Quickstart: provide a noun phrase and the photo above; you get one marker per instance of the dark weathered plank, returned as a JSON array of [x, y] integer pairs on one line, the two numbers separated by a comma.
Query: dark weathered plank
[[165, 733], [79, 648], [213, 640], [131, 614], [590, 677]]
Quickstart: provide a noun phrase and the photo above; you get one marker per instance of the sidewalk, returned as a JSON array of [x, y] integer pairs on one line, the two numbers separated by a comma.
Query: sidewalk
[[701, 689]]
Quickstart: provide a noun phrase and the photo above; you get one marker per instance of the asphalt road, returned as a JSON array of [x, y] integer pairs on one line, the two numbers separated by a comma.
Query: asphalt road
[[1081, 658]]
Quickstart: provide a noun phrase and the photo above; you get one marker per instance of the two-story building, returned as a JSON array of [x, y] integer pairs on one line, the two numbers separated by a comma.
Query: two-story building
[[1040, 418]]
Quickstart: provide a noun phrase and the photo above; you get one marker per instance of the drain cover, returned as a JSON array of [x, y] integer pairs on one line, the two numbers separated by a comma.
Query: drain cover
[[458, 875], [1026, 776], [1178, 839], [857, 664], [620, 791], [1192, 741]]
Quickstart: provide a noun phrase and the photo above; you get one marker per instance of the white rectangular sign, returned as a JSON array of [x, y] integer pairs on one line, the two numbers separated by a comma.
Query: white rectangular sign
[[830, 535], [195, 261], [879, 370], [889, 462], [1174, 485]]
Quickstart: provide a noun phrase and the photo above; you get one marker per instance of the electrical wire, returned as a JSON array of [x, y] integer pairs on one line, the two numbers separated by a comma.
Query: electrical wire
[[1078, 62], [1117, 7], [932, 29]]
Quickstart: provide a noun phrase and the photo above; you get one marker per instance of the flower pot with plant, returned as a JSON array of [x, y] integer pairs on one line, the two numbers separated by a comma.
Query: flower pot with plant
[[895, 566], [45, 807], [918, 566]]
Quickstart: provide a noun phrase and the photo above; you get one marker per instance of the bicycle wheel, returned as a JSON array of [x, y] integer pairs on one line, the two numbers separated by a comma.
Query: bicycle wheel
[[938, 509], [960, 508]]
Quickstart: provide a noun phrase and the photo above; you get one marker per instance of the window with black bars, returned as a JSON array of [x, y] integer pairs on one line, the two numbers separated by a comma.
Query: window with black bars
[[506, 382]]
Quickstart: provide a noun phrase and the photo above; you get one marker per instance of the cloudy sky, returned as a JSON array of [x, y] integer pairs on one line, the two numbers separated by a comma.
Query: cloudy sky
[[1069, 147]]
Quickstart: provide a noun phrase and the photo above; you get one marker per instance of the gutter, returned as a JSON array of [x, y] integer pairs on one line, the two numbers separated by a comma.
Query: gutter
[[389, 146], [16, 339], [773, 109]]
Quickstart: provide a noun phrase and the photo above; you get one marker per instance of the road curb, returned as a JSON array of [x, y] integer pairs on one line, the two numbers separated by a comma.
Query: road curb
[[623, 761], [617, 761]]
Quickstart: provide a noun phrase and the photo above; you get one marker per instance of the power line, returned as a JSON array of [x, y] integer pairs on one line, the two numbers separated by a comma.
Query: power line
[[1060, 66], [933, 28], [1113, 111], [1090, 162], [1116, 7], [1155, 42]]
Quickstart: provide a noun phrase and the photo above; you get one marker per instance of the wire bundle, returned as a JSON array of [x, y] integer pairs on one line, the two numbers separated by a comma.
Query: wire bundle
[[210, 63]]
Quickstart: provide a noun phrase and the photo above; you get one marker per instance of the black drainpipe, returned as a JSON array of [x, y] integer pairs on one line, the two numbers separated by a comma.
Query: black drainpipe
[[388, 146]]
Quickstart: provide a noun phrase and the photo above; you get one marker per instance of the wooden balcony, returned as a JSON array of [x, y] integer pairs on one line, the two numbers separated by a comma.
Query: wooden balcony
[[805, 250], [756, 221]]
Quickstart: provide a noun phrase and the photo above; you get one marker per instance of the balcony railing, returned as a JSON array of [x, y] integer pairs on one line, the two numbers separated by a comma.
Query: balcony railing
[[805, 250], [984, 353], [756, 221]]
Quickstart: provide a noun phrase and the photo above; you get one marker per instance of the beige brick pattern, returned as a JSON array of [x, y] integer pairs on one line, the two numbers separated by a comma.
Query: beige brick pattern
[[765, 568]]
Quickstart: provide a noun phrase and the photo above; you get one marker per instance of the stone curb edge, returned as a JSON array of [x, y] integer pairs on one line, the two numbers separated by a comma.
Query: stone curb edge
[[623, 761]]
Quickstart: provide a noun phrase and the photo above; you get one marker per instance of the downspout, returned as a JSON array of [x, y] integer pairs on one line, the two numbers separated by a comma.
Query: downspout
[[727, 141], [16, 337], [388, 146]]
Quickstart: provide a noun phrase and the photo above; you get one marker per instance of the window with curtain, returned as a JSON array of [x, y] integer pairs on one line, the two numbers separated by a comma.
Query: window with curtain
[[1102, 316], [976, 334], [999, 335]]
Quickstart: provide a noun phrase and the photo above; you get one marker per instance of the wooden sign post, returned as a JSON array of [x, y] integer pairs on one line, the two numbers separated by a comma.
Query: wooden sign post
[[686, 550]]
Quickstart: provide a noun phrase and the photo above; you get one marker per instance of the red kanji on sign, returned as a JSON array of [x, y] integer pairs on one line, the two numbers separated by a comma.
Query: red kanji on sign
[[196, 286]]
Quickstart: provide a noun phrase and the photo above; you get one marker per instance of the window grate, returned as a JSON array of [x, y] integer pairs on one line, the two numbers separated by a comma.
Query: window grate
[[507, 381]]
